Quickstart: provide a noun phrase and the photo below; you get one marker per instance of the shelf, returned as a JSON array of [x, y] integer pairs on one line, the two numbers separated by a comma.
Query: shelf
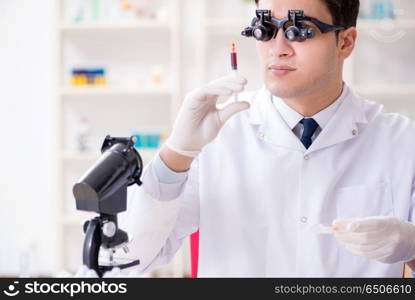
[[90, 157], [114, 91], [137, 25]]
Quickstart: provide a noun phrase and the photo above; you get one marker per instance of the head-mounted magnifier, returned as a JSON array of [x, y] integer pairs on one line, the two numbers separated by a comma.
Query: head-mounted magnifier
[[264, 27]]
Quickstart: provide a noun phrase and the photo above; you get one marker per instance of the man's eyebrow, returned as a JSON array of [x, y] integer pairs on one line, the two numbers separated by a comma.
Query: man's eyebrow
[[306, 21]]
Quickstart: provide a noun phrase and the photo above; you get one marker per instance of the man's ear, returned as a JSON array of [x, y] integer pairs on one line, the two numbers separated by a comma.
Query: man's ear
[[347, 42]]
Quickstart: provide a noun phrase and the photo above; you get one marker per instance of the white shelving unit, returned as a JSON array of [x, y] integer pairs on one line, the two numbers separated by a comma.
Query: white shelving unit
[[128, 103]]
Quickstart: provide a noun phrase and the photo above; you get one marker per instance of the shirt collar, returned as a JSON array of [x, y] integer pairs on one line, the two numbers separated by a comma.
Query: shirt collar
[[292, 118]]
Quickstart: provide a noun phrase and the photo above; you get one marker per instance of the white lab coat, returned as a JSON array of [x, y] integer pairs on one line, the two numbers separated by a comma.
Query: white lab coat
[[255, 193]]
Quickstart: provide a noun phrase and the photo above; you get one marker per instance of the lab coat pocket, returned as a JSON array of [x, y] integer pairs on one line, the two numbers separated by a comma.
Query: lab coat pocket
[[364, 200]]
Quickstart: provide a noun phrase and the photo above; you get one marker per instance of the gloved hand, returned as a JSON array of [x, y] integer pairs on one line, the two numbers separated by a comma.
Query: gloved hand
[[385, 239], [199, 120]]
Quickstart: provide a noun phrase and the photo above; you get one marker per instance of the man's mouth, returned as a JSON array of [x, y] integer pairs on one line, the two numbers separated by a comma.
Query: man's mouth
[[280, 70]]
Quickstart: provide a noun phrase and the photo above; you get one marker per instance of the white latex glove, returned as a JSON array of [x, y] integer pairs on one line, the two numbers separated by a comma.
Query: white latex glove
[[385, 239], [199, 120]]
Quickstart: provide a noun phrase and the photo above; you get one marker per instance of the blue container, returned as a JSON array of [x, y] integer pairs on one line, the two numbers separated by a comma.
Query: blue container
[[382, 10], [153, 140], [147, 140], [138, 142]]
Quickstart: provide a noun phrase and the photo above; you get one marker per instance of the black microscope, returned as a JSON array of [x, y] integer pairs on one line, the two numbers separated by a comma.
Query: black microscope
[[103, 189]]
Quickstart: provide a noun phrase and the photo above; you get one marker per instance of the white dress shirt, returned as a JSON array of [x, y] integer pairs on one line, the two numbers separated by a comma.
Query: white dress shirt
[[293, 118]]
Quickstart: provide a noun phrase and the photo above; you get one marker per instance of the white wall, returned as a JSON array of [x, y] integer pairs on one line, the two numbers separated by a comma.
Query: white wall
[[27, 89]]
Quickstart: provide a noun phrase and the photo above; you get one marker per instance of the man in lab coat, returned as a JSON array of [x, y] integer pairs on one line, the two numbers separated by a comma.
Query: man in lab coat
[[259, 176]]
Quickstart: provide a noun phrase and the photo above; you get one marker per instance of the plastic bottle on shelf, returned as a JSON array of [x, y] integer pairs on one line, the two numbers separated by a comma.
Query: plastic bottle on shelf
[[153, 139], [148, 138], [99, 77], [157, 77], [79, 77], [389, 9], [384, 9], [79, 12], [75, 77], [96, 10], [24, 271], [83, 134], [27, 253], [365, 10], [378, 10], [126, 11], [146, 9]]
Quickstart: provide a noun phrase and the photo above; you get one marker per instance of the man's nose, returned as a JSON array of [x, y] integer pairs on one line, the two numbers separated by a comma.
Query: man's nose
[[280, 46]]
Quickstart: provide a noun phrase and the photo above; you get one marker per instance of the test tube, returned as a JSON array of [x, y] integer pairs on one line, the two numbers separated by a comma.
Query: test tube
[[234, 64]]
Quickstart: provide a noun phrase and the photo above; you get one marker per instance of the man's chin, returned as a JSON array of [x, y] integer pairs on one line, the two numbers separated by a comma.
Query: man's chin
[[282, 90]]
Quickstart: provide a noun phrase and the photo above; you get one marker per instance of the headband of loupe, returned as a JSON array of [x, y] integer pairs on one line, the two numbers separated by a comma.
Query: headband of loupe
[[264, 27]]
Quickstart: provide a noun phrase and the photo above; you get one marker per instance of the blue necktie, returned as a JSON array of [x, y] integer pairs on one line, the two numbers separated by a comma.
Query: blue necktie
[[310, 127]]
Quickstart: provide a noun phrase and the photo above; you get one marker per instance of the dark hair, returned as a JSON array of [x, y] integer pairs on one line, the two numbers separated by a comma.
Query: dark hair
[[344, 12]]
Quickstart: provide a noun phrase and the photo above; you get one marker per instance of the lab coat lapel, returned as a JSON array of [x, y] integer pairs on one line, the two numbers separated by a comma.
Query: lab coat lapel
[[272, 127], [343, 125]]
